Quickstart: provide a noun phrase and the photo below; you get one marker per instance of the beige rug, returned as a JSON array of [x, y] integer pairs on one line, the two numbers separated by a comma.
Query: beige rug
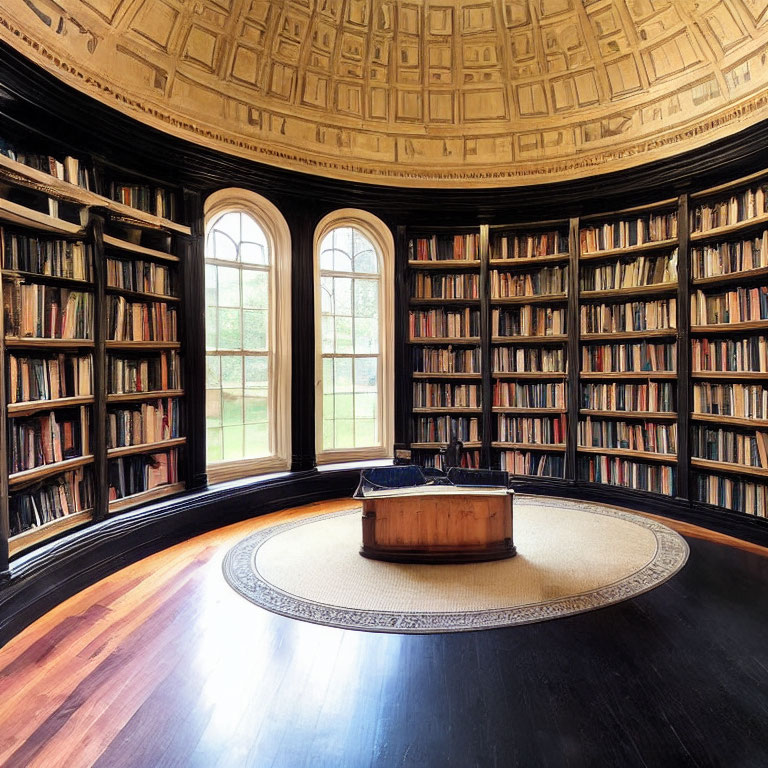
[[572, 557]]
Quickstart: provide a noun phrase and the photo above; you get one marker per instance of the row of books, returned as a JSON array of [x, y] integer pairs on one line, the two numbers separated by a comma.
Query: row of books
[[528, 245], [462, 286], [749, 449], [66, 494], [45, 439], [49, 378], [650, 436], [156, 200], [470, 459], [659, 314], [746, 401], [148, 374], [445, 248], [69, 169], [616, 470], [544, 430], [149, 422], [446, 360], [513, 359], [513, 394], [735, 306], [651, 396], [532, 463], [628, 233], [730, 355], [140, 321], [44, 311], [442, 429], [441, 323], [129, 475], [144, 276], [740, 206], [730, 257], [434, 395], [46, 256], [542, 282], [736, 494], [528, 320], [629, 273], [628, 357]]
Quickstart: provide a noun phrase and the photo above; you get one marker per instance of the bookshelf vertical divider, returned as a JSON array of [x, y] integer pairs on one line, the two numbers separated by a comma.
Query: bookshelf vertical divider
[[403, 350], [485, 343], [98, 427], [5, 518], [574, 351], [683, 351]]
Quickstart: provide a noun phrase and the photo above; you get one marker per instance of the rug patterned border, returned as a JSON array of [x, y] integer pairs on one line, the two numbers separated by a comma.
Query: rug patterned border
[[241, 573]]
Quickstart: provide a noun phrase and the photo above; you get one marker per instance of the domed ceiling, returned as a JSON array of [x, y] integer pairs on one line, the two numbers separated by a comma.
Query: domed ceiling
[[419, 93]]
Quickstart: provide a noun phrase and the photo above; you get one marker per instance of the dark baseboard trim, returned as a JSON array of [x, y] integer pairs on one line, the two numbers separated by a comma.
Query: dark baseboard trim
[[46, 576]]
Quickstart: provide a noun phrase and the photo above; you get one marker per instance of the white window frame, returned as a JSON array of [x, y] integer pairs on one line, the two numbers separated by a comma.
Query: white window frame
[[278, 237], [380, 235]]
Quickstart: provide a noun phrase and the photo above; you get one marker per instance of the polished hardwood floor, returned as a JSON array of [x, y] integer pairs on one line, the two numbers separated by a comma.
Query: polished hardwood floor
[[163, 664]]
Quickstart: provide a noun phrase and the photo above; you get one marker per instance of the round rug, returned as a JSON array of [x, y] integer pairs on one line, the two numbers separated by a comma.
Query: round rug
[[571, 557]]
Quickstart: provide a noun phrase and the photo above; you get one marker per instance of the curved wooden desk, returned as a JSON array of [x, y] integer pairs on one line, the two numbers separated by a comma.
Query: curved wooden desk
[[438, 524]]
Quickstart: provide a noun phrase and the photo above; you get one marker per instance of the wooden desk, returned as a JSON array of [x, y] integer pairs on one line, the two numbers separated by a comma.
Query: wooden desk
[[438, 524]]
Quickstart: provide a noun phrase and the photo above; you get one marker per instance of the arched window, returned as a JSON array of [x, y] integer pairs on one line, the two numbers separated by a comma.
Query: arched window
[[247, 325], [354, 322]]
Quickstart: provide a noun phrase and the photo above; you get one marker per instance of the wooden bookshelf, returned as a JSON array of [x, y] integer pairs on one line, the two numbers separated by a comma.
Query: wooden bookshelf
[[47, 470], [141, 250], [33, 406], [160, 445], [135, 397], [136, 499], [725, 466], [667, 458], [556, 447], [40, 534], [642, 415], [738, 421], [610, 376]]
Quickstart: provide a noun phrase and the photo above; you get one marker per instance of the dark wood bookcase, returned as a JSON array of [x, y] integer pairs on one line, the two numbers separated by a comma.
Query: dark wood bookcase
[[93, 391]]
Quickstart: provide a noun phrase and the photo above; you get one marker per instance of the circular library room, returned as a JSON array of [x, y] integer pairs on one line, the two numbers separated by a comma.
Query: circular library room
[[384, 384]]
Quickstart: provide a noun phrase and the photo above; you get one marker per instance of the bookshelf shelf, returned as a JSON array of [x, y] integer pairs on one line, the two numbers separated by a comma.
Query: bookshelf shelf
[[141, 295], [160, 445], [419, 302], [422, 375], [751, 325], [729, 229], [529, 263], [30, 341], [148, 345], [730, 375], [117, 505], [33, 536], [152, 253], [448, 409], [33, 406], [738, 421], [724, 466], [559, 375], [626, 335], [446, 264], [666, 458], [437, 446], [656, 245], [136, 397], [15, 172], [609, 376], [16, 274], [730, 277], [47, 470], [546, 447], [546, 298], [554, 339], [623, 293], [472, 340], [27, 217], [532, 409], [635, 415], [136, 217]]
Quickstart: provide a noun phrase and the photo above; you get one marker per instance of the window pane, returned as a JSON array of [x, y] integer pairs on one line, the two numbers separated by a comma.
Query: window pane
[[342, 296], [328, 334], [366, 298], [255, 289], [366, 335], [229, 286], [237, 318], [344, 344]]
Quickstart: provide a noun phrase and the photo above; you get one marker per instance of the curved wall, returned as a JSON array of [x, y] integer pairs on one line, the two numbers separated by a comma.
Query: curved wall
[[33, 101]]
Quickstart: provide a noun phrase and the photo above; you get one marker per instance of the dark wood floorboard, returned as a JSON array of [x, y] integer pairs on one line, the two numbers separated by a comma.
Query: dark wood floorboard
[[163, 665]]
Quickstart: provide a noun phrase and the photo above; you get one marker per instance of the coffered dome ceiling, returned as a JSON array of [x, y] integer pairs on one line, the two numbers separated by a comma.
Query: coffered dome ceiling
[[421, 93]]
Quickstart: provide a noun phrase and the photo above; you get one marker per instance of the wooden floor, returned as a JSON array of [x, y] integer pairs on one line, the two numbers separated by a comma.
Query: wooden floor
[[163, 664]]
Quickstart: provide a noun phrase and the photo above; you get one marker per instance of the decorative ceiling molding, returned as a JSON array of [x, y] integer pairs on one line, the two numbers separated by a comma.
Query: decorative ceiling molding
[[436, 93]]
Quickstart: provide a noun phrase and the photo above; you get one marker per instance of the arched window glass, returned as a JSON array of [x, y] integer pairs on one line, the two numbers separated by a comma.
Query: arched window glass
[[242, 415], [352, 338]]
